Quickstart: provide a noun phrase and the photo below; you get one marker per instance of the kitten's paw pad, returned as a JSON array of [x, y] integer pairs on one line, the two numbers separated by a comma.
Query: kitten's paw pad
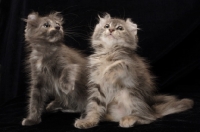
[[30, 122], [84, 123], [127, 122]]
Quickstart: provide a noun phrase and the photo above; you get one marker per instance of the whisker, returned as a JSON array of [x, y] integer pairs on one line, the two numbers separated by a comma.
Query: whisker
[[73, 39], [70, 14], [77, 35], [74, 27]]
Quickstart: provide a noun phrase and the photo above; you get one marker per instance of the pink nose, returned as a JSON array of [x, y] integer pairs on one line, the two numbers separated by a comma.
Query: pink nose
[[111, 30]]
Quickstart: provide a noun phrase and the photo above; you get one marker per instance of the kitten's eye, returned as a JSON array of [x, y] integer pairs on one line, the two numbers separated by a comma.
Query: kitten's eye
[[46, 25], [57, 24], [106, 26], [120, 28]]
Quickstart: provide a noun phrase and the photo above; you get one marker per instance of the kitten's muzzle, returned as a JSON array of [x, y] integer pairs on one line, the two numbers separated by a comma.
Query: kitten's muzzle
[[55, 32], [111, 30]]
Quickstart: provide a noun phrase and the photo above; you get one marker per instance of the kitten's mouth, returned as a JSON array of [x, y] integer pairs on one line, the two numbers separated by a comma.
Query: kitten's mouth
[[111, 36], [55, 35]]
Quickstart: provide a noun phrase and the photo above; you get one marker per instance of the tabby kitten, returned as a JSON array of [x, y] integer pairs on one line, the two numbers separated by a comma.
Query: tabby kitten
[[55, 70], [120, 84]]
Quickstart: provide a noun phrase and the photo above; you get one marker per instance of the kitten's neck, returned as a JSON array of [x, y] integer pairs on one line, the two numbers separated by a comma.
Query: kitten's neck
[[120, 47], [45, 47], [114, 49]]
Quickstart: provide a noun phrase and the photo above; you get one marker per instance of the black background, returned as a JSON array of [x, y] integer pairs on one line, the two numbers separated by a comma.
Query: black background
[[169, 37]]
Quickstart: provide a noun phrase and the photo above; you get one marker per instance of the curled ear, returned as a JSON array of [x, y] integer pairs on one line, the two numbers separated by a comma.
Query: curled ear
[[33, 16], [104, 18], [132, 27], [107, 16], [56, 15], [31, 19]]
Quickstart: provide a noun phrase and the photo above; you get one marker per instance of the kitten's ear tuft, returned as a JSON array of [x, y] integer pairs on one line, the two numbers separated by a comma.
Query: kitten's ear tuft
[[99, 17], [132, 27]]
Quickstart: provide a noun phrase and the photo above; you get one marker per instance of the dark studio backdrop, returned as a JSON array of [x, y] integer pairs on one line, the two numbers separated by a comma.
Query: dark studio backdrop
[[169, 37]]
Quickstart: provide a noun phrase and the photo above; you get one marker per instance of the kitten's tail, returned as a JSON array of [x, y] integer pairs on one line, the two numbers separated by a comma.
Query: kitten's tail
[[165, 105]]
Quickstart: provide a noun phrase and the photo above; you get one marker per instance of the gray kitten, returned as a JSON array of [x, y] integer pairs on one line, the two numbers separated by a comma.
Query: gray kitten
[[55, 70], [120, 84]]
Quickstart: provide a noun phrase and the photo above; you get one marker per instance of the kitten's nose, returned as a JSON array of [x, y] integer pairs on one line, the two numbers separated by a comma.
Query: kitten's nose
[[57, 28], [111, 30]]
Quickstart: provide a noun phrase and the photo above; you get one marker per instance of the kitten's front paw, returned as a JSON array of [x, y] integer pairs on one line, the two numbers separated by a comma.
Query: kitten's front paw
[[66, 88], [30, 122], [84, 123], [127, 121]]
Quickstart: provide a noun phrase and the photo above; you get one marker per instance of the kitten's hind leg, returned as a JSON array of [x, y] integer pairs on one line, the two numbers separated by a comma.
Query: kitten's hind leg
[[141, 113], [127, 121], [68, 78]]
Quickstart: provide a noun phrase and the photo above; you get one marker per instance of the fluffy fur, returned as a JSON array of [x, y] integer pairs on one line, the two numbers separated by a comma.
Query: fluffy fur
[[120, 84], [56, 71]]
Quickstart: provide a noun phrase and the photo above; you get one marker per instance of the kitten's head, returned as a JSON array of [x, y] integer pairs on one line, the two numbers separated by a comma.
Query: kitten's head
[[111, 32], [47, 28]]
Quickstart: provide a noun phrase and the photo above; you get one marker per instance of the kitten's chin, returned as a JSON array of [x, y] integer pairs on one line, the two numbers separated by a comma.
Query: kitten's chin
[[110, 36], [54, 36], [108, 40], [55, 39], [111, 41]]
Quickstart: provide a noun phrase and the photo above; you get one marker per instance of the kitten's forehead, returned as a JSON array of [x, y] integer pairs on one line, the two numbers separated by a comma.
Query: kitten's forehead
[[116, 22], [47, 19]]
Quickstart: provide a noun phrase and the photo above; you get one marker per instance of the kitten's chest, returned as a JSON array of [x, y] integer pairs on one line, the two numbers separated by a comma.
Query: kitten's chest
[[98, 66], [41, 63]]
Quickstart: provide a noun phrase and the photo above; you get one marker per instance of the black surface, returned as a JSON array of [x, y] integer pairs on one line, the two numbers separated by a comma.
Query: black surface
[[168, 38]]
